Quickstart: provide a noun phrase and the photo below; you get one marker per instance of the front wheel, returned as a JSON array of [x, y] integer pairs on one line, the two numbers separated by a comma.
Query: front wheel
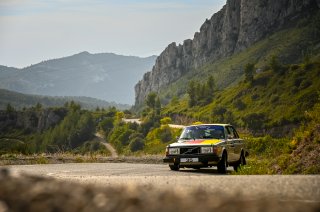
[[174, 167], [222, 165]]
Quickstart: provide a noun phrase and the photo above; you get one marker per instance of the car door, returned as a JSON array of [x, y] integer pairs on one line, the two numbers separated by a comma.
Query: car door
[[237, 143], [230, 144]]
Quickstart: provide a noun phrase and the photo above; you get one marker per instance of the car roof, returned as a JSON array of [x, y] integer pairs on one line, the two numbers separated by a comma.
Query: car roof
[[215, 124]]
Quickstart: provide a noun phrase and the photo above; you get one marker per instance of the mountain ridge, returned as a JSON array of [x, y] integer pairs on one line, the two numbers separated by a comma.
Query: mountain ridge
[[98, 75], [20, 101]]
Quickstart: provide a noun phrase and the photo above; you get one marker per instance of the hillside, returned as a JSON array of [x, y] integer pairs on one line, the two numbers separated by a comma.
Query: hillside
[[19, 101], [104, 76], [241, 32], [274, 103]]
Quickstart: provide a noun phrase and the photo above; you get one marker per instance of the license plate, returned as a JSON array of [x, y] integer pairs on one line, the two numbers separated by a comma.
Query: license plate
[[189, 160]]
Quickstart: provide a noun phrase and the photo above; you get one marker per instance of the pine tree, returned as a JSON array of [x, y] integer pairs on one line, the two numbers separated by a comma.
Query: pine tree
[[10, 108], [158, 107], [211, 84], [151, 100], [249, 72], [192, 93]]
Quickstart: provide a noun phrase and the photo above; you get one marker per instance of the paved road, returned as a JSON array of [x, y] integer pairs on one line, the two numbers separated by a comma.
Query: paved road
[[298, 188], [139, 122]]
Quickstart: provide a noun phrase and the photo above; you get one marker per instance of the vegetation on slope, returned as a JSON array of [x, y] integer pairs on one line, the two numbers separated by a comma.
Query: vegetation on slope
[[274, 99], [150, 137], [296, 155], [72, 133]]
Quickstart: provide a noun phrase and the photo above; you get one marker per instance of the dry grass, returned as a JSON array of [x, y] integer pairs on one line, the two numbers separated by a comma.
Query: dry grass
[[58, 158]]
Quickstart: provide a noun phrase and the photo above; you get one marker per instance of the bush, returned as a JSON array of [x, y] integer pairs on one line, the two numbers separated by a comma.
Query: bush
[[165, 134], [219, 110], [276, 66], [119, 137], [166, 120], [106, 125], [248, 72], [298, 81], [136, 144], [239, 104], [255, 121], [305, 84]]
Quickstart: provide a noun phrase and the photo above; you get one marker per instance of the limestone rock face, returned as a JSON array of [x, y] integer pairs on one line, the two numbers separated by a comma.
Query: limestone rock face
[[238, 25]]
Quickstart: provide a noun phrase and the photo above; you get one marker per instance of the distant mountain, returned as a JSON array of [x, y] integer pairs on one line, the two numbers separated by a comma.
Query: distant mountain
[[105, 76], [19, 100]]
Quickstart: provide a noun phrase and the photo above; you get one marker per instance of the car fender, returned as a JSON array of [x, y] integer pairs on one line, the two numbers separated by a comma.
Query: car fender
[[224, 150]]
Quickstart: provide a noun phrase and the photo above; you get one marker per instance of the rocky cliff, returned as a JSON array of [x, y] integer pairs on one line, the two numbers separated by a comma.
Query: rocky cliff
[[237, 26]]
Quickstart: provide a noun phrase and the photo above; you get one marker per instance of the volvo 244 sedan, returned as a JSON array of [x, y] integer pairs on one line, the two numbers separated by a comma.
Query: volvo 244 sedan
[[207, 145]]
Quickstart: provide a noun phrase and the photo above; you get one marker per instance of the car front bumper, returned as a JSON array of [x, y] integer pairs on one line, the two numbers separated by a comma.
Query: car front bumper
[[202, 160]]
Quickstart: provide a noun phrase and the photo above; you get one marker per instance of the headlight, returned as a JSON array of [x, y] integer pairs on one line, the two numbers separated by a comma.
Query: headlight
[[174, 151], [206, 150]]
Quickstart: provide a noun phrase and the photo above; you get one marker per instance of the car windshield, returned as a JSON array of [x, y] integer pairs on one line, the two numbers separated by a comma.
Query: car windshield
[[202, 132]]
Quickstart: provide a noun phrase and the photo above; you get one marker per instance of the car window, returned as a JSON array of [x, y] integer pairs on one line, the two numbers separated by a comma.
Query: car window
[[203, 132], [232, 132]]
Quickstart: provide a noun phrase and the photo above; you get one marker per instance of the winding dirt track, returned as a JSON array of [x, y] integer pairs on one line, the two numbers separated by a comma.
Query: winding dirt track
[[302, 188], [111, 149]]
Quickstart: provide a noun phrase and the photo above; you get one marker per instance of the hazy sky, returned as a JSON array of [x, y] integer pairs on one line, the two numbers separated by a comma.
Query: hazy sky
[[35, 30]]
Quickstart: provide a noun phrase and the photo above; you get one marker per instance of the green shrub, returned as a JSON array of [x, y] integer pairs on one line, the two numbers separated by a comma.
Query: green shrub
[[106, 124], [165, 134], [305, 84], [136, 144], [219, 110], [165, 120], [255, 121], [239, 104]]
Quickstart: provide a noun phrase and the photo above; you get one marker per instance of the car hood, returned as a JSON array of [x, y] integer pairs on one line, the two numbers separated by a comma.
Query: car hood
[[197, 142]]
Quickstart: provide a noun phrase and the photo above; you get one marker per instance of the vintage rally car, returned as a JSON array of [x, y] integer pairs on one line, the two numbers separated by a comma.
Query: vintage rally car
[[207, 145]]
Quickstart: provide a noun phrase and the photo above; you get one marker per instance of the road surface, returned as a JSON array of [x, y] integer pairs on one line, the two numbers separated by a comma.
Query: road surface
[[304, 188], [139, 122]]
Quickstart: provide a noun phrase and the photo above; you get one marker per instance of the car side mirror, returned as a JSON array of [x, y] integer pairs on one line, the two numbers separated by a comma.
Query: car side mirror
[[230, 137]]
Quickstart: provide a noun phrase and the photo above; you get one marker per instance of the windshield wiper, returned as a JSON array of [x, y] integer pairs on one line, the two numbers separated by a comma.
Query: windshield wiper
[[187, 139]]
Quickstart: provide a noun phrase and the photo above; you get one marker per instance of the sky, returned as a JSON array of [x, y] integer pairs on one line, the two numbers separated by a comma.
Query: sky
[[32, 31]]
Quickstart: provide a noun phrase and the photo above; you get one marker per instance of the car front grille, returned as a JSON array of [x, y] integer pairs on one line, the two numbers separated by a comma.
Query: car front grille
[[189, 150]]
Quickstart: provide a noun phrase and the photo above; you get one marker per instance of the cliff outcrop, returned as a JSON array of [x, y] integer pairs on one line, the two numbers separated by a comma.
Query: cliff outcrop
[[237, 26]]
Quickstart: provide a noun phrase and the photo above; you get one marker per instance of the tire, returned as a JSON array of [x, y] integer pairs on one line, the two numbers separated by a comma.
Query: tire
[[222, 165], [174, 167], [240, 163]]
